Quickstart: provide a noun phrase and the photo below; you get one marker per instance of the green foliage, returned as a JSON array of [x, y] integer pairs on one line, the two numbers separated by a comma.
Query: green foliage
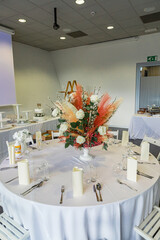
[[58, 126], [67, 145], [61, 120], [105, 146], [69, 141], [66, 134]]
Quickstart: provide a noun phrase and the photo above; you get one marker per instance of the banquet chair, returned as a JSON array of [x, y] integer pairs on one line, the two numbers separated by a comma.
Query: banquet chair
[[114, 133], [29, 140], [10, 230], [55, 134], [152, 140], [149, 229]]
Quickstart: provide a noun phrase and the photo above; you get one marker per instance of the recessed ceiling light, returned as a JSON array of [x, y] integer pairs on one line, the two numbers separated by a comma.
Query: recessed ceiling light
[[150, 30], [110, 27], [79, 2], [22, 20], [149, 9], [62, 38]]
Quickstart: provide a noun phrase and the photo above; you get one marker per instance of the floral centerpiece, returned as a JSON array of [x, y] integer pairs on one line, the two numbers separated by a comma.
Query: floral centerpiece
[[83, 118]]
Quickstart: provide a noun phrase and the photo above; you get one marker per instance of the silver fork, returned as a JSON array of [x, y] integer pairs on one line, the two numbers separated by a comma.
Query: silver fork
[[62, 191], [120, 182]]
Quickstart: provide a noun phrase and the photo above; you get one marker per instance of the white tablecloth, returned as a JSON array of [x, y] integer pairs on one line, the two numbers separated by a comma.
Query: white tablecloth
[[6, 135], [80, 218], [143, 125]]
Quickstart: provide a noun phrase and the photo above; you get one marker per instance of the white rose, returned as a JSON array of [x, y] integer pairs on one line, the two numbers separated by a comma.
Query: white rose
[[102, 130], [94, 98], [55, 112], [85, 96], [80, 140], [80, 114], [63, 127]]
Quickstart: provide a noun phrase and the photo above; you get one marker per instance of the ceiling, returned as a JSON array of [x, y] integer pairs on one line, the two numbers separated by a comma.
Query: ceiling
[[38, 31]]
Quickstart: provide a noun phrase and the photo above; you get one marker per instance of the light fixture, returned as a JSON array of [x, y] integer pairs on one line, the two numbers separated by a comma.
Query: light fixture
[[55, 25], [110, 27], [62, 38], [79, 2], [22, 20], [149, 9]]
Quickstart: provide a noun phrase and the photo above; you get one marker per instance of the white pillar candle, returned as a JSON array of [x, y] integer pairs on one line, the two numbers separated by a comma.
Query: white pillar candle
[[145, 151], [132, 169], [125, 138], [77, 182], [23, 172], [11, 153], [38, 139]]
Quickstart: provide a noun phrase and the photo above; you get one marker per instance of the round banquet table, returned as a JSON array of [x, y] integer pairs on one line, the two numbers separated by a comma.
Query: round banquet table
[[81, 218]]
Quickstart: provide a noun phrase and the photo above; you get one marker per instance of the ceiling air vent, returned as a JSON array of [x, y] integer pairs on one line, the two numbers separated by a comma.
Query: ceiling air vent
[[150, 17], [77, 34]]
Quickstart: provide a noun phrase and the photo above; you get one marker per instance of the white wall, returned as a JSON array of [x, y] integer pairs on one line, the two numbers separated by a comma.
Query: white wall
[[109, 65], [35, 76]]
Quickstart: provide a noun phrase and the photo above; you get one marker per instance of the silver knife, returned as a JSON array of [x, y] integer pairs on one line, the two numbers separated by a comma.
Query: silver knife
[[11, 179], [31, 188], [144, 174], [146, 163]]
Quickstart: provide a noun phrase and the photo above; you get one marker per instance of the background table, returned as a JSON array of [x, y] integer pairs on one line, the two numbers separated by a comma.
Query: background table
[[7, 135], [143, 125], [83, 217]]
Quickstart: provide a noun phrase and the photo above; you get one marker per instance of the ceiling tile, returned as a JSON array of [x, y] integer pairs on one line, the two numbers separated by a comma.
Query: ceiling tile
[[131, 22], [82, 25], [137, 2], [101, 19], [94, 30], [61, 7], [19, 5], [41, 16], [40, 2], [114, 5], [6, 12], [124, 14], [9, 24]]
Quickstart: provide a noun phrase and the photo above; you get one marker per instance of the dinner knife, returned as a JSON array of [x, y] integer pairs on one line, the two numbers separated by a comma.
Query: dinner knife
[[31, 188], [153, 163], [11, 179], [144, 174]]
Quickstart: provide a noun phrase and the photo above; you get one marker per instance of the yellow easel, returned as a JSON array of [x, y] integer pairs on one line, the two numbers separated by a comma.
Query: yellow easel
[[69, 88]]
